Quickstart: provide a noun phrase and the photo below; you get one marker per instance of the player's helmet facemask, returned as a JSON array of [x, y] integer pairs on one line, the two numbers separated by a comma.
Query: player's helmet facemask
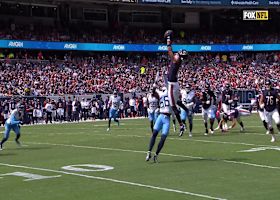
[[183, 54], [227, 87], [268, 85], [20, 107]]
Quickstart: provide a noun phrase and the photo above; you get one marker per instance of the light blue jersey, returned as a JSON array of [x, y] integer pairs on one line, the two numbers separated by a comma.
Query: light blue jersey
[[12, 123], [163, 120]]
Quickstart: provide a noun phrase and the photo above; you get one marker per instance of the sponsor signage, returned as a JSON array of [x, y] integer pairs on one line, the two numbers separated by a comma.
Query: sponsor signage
[[23, 44]]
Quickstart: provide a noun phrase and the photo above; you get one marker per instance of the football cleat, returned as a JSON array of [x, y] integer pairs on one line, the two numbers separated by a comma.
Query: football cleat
[[148, 157], [273, 138], [267, 132], [182, 129], [108, 129], [155, 158], [206, 132], [1, 147], [242, 129], [211, 131], [190, 134]]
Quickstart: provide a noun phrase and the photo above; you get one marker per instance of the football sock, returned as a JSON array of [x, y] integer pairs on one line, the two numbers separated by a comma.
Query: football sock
[[153, 140], [17, 137], [160, 144], [265, 124], [177, 114], [109, 125], [3, 141], [191, 126], [241, 124], [152, 125], [212, 124]]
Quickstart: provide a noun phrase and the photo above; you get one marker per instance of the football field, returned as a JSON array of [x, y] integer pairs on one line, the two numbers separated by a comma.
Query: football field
[[84, 161]]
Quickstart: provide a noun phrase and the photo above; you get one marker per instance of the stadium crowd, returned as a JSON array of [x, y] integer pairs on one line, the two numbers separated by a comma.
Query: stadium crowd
[[83, 33], [105, 73]]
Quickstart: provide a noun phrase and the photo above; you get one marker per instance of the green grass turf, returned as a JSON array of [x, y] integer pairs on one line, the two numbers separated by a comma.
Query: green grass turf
[[206, 165]]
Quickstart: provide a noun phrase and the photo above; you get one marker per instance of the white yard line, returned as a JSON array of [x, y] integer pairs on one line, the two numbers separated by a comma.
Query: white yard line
[[205, 141], [115, 181], [165, 154]]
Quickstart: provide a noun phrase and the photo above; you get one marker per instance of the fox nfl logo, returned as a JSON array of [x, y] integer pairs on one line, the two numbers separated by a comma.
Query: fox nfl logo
[[255, 14]]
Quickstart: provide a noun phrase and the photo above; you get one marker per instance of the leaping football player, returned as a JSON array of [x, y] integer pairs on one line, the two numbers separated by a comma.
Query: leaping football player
[[172, 78]]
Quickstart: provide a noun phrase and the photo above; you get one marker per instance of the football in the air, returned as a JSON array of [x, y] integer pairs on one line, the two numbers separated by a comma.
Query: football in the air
[[168, 33]]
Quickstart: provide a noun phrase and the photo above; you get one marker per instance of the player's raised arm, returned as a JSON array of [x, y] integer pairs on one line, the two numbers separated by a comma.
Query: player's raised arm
[[168, 36]]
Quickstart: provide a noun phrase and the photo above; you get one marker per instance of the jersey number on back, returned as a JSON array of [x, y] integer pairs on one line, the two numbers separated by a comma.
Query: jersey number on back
[[164, 102]]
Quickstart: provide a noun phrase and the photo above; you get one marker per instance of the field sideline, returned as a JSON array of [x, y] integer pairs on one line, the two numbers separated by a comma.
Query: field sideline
[[83, 161]]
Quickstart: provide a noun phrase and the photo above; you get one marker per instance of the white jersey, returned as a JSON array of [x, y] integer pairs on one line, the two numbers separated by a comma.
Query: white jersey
[[14, 117], [153, 103], [115, 102], [85, 104], [74, 106], [164, 103], [121, 105], [93, 110], [188, 98], [145, 102], [132, 102], [49, 107], [37, 113]]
